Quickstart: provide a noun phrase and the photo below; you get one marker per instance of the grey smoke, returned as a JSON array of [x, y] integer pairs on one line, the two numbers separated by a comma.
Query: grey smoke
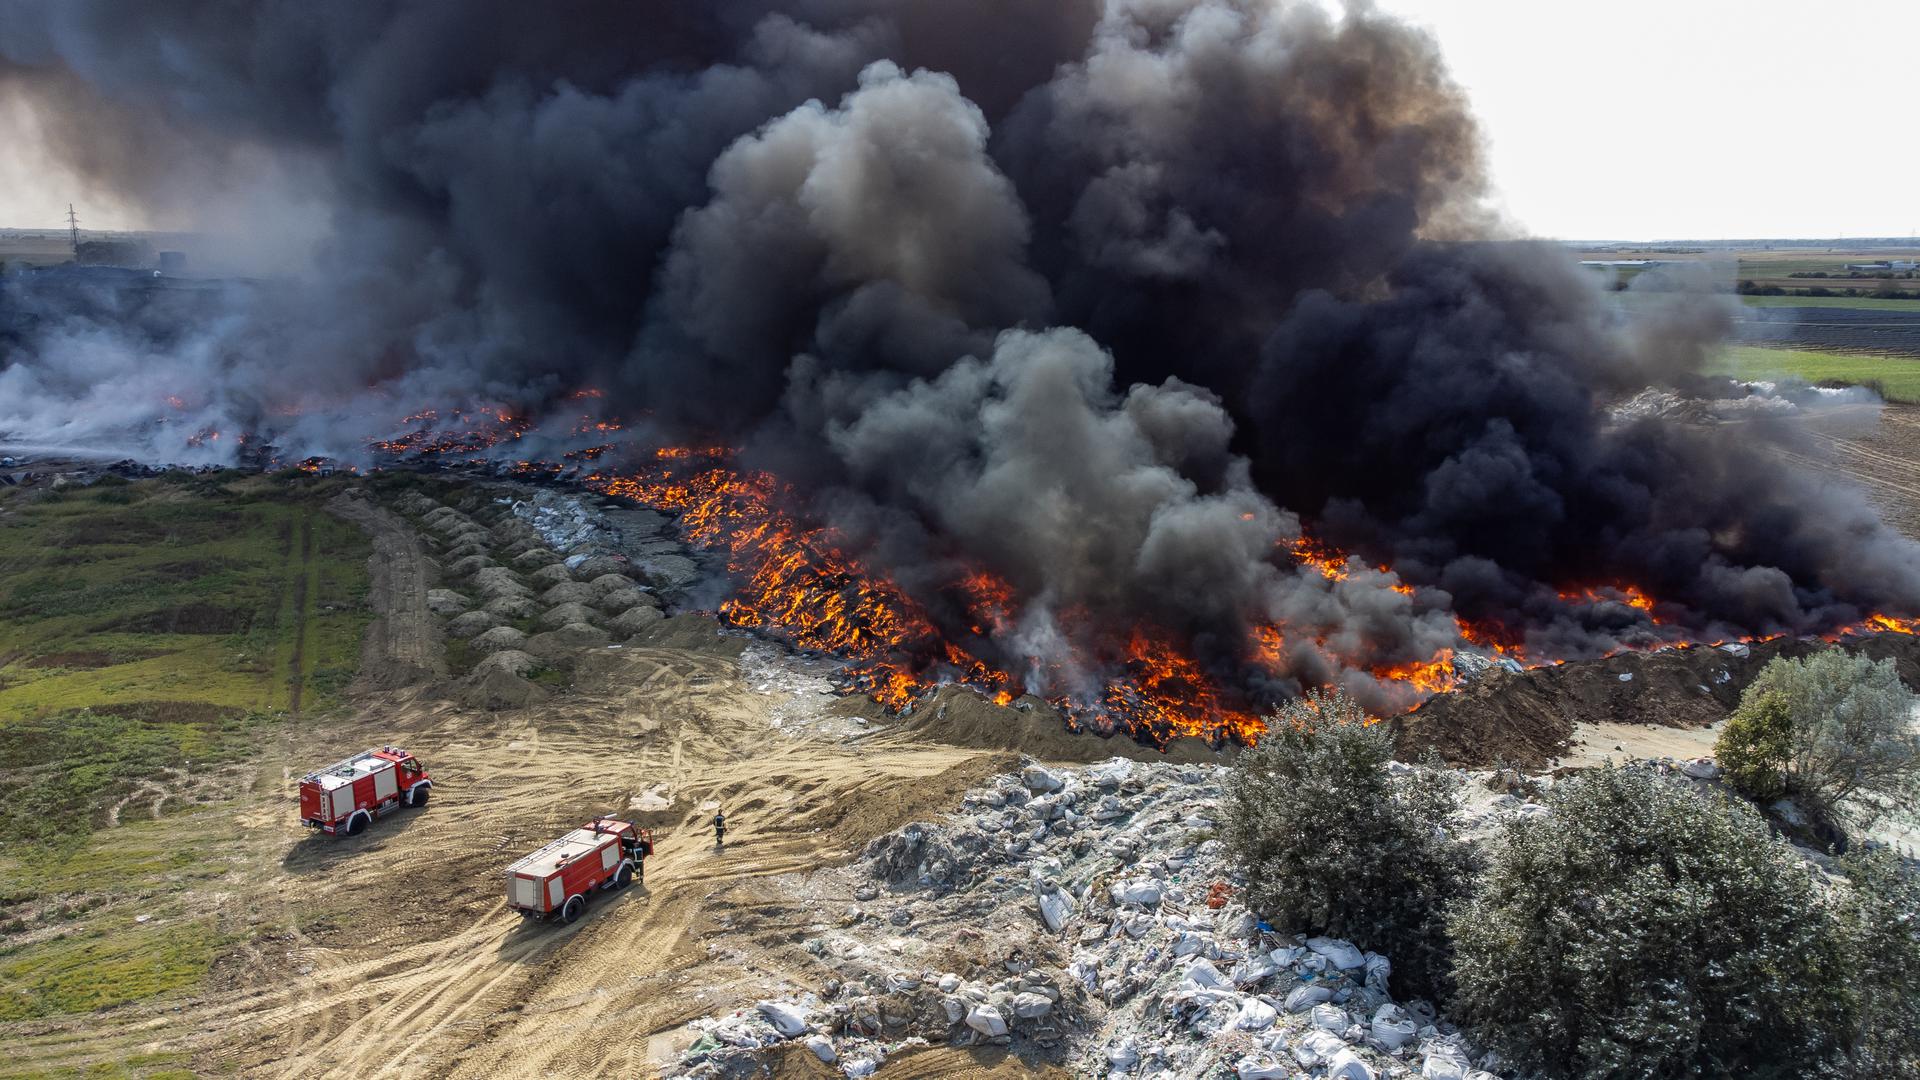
[[1107, 298]]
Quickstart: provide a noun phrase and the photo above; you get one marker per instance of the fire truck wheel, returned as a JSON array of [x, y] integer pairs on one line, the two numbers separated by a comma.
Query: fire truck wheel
[[357, 822], [571, 910], [624, 878], [419, 797]]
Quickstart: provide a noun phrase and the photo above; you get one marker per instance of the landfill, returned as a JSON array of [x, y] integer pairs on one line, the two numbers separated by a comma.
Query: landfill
[[1087, 917]]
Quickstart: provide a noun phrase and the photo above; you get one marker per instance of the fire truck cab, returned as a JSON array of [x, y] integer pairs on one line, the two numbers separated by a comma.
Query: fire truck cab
[[345, 797], [555, 881]]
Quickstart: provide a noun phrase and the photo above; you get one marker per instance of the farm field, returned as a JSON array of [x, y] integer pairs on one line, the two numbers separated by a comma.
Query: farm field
[[153, 635], [1898, 378], [1851, 303]]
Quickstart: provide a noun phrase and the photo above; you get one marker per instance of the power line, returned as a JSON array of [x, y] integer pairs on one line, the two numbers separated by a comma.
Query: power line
[[73, 229]]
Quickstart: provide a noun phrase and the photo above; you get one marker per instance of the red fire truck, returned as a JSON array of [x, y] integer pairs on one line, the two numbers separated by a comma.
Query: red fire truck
[[553, 883], [346, 797]]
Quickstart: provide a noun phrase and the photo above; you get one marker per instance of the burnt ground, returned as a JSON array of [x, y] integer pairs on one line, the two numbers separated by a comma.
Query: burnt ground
[[1529, 718]]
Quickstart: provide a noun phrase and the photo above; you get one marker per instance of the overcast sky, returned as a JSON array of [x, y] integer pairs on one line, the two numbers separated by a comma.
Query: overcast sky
[[1628, 119], [1644, 119]]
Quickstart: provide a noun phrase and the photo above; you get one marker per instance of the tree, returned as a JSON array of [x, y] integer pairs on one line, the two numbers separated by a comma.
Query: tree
[[1880, 916], [1332, 843], [1641, 930], [1756, 747], [1853, 754]]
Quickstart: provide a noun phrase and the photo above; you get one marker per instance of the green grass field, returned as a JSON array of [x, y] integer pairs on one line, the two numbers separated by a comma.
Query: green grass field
[[152, 634], [146, 625], [1897, 378], [1858, 303]]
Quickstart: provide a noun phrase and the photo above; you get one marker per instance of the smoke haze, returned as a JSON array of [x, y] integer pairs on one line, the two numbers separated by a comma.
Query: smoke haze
[[1105, 298]]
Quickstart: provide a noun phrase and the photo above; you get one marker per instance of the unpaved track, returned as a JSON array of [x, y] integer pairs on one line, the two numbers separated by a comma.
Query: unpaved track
[[418, 969], [393, 954], [402, 647]]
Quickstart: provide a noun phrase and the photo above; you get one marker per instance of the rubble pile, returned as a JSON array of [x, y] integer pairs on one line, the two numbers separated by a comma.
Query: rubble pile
[[1086, 917]]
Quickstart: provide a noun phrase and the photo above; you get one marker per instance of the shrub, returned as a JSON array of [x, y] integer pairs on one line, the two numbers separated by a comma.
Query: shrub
[[1853, 754], [1756, 746], [1331, 843], [1641, 930], [1880, 916]]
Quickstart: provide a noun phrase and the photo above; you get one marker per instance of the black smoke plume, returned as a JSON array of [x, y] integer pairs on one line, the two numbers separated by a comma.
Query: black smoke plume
[[1108, 298]]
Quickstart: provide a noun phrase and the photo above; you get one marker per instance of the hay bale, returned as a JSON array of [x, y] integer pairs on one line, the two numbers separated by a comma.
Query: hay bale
[[563, 614], [619, 600], [500, 637], [521, 546], [469, 566], [473, 623], [571, 592], [594, 566], [446, 602], [415, 503], [512, 608], [550, 575], [439, 516], [536, 557], [634, 620]]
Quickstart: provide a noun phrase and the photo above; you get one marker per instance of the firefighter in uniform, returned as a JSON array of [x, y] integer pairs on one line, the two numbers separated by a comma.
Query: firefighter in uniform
[[719, 829]]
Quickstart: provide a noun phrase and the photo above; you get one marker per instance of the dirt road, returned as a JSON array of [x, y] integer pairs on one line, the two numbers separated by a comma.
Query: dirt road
[[402, 647], [393, 954]]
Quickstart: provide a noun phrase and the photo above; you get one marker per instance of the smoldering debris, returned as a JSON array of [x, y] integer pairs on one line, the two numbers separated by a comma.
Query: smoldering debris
[[1122, 308]]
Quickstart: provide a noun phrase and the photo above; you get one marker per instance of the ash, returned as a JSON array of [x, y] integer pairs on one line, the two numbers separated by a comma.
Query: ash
[[801, 690], [1084, 917]]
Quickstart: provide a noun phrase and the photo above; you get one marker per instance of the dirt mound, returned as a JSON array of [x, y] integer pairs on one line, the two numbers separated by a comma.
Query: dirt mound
[[634, 620], [692, 631], [495, 686], [959, 716], [473, 623], [549, 575], [1528, 717], [512, 607], [620, 600], [571, 592], [562, 614], [500, 637], [446, 602]]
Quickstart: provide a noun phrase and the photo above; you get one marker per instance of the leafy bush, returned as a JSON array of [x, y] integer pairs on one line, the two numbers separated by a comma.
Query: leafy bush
[[1756, 747], [1853, 753], [1641, 930], [1880, 916], [1332, 843]]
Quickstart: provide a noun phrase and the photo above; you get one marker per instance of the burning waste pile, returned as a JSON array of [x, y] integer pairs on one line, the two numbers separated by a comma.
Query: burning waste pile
[[1085, 917], [1026, 378]]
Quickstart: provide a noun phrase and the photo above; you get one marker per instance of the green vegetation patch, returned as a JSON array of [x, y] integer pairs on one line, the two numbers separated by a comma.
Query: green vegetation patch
[[1857, 303], [250, 598], [61, 770], [1896, 378], [98, 968]]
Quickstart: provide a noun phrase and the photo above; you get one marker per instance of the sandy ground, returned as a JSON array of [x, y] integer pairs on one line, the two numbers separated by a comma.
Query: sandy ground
[[393, 953], [1597, 744]]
